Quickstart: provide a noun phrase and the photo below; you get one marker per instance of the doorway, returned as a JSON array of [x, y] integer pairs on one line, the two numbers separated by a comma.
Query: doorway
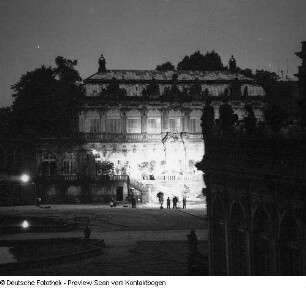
[[119, 193]]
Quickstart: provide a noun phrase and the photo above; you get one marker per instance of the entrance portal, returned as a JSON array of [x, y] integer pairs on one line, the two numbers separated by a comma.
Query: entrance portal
[[119, 194]]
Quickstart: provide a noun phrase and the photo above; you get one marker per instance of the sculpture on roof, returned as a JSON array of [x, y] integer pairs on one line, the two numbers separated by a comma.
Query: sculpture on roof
[[232, 64], [102, 63]]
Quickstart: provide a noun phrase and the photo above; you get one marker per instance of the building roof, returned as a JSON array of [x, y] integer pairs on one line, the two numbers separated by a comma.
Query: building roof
[[148, 75]]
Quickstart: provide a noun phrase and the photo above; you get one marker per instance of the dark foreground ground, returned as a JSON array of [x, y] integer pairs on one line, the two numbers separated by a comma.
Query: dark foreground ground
[[142, 241]]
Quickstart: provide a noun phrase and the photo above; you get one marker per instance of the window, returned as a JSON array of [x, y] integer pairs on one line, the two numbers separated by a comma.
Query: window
[[113, 125], [175, 125], [154, 125], [133, 125], [95, 125], [195, 125], [69, 164], [48, 164]]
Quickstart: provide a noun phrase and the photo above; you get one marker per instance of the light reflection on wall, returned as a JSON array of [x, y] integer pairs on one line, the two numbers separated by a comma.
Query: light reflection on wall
[[172, 165]]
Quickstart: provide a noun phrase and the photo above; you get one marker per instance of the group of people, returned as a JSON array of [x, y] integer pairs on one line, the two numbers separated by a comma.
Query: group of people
[[174, 202]]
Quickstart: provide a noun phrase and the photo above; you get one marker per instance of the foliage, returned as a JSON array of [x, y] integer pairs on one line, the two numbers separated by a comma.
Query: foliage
[[174, 94], [106, 167], [275, 116], [152, 89], [196, 89], [168, 66], [246, 72], [211, 61], [46, 100], [266, 79], [5, 116]]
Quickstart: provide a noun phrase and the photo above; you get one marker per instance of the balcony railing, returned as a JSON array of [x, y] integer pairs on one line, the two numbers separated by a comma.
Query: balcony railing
[[175, 177], [131, 137], [74, 178], [105, 178]]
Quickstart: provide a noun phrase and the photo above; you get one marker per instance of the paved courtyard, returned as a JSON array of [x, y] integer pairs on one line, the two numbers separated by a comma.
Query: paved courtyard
[[142, 241]]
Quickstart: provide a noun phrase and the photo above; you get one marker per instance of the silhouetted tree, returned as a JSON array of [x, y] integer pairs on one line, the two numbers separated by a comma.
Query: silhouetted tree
[[196, 89], [208, 119], [211, 61], [249, 119], [275, 116], [168, 66], [152, 89], [46, 100], [105, 167], [5, 119], [226, 116], [246, 72]]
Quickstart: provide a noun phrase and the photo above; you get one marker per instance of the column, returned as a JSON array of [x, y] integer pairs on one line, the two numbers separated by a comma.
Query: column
[[165, 120], [123, 121], [81, 127], [144, 118], [186, 118], [103, 120]]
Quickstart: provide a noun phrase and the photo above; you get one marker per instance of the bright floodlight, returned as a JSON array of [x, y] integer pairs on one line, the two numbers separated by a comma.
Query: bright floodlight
[[25, 224], [25, 178]]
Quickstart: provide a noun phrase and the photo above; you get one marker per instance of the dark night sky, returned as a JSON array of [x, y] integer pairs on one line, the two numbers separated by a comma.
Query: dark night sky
[[140, 34]]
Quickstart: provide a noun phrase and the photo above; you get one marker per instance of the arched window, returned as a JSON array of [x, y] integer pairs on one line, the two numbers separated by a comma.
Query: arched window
[[69, 163], [48, 164], [262, 250], [218, 238], [290, 249], [238, 252]]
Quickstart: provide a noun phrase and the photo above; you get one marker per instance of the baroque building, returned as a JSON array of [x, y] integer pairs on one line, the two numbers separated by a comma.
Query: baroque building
[[146, 124]]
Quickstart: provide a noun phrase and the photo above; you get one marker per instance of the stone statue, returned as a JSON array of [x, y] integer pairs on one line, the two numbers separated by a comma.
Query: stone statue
[[232, 64], [102, 63]]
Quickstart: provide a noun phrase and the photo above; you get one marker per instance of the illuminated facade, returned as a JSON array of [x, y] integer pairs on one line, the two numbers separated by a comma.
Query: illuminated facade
[[148, 124]]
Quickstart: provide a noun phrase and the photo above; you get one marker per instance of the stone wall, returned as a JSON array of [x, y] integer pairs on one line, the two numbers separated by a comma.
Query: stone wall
[[256, 205]]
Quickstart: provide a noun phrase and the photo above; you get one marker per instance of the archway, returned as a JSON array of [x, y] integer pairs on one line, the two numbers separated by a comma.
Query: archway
[[218, 242], [238, 250], [262, 250]]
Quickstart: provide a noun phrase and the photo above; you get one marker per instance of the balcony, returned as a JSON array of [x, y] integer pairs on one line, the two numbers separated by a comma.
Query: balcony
[[76, 178], [106, 178], [178, 177], [132, 137]]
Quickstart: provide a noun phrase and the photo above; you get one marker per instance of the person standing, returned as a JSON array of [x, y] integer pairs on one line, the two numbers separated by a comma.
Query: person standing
[[184, 203], [168, 203], [133, 202], [174, 202], [193, 242]]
